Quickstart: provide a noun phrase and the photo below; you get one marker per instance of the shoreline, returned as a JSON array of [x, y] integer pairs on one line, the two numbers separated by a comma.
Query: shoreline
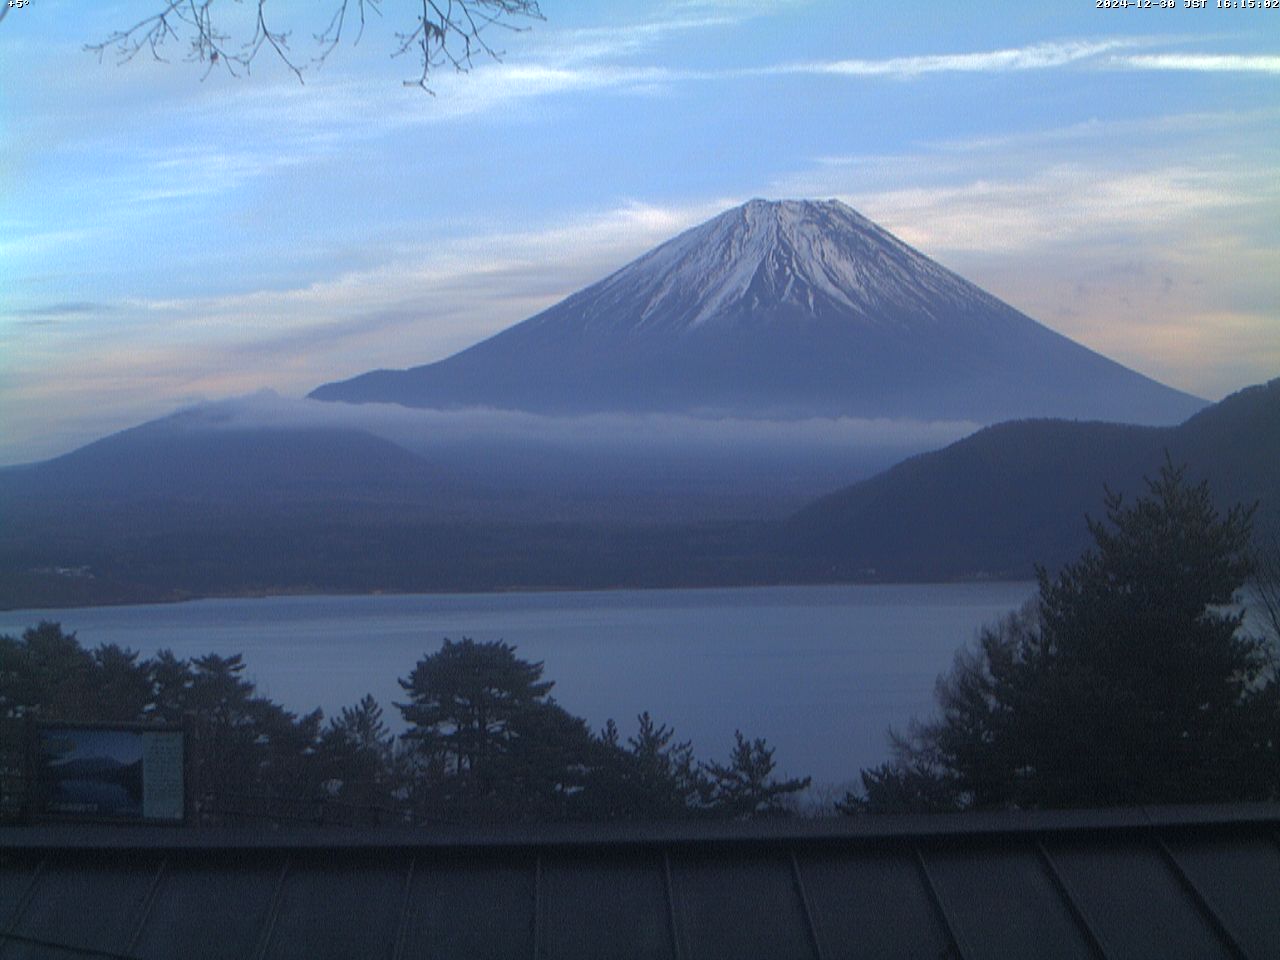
[[518, 589]]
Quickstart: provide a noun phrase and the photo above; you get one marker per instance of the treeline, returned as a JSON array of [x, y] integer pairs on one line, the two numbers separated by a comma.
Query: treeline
[[146, 552], [484, 741]]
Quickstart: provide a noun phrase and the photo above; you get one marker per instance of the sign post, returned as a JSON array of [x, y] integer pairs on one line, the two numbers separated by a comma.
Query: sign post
[[105, 772]]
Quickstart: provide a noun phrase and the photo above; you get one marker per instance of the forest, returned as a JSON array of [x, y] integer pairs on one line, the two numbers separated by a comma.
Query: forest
[[1129, 679]]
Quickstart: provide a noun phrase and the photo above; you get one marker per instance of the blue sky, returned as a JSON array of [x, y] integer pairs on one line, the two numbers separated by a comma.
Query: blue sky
[[166, 238]]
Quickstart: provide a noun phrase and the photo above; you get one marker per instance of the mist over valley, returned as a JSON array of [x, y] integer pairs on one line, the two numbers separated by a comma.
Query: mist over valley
[[684, 422]]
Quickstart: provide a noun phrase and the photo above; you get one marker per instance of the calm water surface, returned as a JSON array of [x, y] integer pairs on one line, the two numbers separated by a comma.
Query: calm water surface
[[821, 672]]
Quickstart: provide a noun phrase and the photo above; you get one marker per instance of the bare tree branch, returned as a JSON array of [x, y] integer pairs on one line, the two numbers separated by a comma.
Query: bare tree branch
[[329, 38], [448, 33]]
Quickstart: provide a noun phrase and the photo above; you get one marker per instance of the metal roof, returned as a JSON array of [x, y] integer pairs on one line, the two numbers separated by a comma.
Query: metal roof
[[1150, 882]]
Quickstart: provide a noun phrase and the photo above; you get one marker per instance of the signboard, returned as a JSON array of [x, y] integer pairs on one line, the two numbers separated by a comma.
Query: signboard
[[118, 772]]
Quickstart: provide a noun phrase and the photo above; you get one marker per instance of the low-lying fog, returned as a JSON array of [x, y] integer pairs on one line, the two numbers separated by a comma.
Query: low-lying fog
[[665, 466]]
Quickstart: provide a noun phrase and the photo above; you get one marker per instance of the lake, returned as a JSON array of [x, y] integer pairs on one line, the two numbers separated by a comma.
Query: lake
[[820, 672]]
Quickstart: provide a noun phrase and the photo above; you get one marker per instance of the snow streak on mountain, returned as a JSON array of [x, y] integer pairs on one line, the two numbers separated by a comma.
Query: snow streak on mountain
[[782, 309]]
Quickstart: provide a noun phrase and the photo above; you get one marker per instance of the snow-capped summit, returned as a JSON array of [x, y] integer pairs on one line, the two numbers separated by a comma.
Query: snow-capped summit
[[816, 257], [791, 308]]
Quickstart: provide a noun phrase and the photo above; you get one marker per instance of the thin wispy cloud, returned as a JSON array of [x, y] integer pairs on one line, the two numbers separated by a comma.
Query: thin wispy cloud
[[737, 9], [326, 116], [1205, 63], [1224, 158], [585, 68], [598, 43], [1055, 207], [67, 309], [426, 289], [1205, 125], [1040, 56], [200, 171], [498, 83], [40, 242]]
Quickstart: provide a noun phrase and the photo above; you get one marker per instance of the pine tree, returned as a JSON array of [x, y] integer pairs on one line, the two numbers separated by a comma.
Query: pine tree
[[463, 698], [745, 787], [356, 756], [473, 710], [650, 776], [1129, 681]]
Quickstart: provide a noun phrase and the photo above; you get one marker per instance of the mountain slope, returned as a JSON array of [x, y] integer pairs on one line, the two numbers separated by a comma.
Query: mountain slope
[[87, 528], [1016, 494], [793, 309], [201, 504], [187, 457]]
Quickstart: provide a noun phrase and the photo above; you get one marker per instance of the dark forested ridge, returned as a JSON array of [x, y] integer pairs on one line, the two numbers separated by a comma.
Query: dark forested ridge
[[162, 513], [140, 557], [1015, 494]]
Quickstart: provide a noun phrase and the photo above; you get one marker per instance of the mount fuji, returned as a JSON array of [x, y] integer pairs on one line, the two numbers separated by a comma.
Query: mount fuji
[[785, 309]]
